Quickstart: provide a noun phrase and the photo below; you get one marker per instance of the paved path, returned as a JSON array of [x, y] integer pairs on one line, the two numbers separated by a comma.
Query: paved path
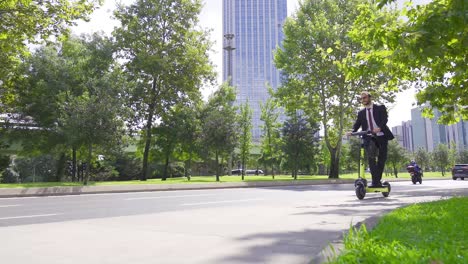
[[249, 225]]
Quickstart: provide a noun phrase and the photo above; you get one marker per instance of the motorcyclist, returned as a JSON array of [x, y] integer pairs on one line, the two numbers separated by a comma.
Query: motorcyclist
[[417, 169]]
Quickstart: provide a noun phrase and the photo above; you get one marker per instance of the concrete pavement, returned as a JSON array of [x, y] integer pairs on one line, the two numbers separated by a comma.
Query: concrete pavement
[[243, 225]]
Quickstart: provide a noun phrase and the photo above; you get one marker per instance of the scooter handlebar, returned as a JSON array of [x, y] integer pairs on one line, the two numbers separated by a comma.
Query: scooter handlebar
[[362, 133]]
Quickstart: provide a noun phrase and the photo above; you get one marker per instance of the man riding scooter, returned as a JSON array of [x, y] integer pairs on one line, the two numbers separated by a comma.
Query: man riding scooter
[[374, 118]]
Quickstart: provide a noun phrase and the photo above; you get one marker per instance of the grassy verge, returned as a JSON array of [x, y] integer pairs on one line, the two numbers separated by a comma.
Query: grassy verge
[[433, 232], [181, 180], [209, 179]]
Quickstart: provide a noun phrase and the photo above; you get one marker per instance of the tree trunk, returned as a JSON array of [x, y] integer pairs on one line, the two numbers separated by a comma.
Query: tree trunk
[[395, 171], [60, 167], [243, 168], [230, 164], [334, 164], [149, 126], [74, 165], [166, 165], [88, 165], [217, 166], [188, 167]]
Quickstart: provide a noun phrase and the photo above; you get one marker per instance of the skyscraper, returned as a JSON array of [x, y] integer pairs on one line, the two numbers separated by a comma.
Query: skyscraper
[[252, 30]]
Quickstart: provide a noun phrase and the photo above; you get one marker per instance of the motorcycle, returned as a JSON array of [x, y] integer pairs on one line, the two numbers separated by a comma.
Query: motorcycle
[[416, 176]]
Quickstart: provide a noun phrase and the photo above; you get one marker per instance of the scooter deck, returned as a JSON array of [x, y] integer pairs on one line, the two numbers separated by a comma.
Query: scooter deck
[[377, 189]]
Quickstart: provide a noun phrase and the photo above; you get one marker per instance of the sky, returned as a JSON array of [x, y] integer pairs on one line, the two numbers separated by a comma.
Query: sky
[[211, 17]]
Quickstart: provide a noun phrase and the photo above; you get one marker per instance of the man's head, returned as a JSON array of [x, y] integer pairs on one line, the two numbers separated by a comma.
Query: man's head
[[366, 98]]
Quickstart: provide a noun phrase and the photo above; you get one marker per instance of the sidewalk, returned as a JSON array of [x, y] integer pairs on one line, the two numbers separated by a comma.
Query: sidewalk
[[76, 190]]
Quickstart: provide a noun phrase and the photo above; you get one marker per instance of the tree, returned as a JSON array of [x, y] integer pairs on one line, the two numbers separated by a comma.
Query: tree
[[452, 153], [462, 156], [71, 91], [321, 70], [271, 138], [177, 136], [396, 156], [422, 157], [245, 137], [428, 48], [441, 157], [219, 125], [30, 21], [300, 144], [165, 56], [166, 140], [189, 134]]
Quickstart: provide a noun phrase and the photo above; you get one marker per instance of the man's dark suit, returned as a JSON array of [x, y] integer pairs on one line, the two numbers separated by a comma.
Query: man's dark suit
[[379, 112]]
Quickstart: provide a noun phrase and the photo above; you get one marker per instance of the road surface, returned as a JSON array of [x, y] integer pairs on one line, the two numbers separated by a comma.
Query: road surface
[[249, 225]]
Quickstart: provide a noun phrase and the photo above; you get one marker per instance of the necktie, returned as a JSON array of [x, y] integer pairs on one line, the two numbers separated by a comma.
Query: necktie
[[370, 119]]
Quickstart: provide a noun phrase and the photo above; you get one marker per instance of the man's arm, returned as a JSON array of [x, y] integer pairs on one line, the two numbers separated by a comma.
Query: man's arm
[[383, 117], [357, 124]]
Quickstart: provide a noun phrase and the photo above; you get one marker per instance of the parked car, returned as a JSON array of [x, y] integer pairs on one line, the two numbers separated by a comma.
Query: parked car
[[256, 172], [239, 172], [236, 172], [460, 171]]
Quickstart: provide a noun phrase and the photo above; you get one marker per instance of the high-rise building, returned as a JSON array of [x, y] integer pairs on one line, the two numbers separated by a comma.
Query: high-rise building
[[404, 135], [252, 30], [428, 133], [419, 129]]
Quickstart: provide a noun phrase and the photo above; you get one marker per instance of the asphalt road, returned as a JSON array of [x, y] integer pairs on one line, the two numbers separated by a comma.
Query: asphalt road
[[250, 225]]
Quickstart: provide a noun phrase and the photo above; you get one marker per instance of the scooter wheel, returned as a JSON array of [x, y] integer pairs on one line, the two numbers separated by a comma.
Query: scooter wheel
[[386, 184], [420, 180], [413, 179], [360, 191]]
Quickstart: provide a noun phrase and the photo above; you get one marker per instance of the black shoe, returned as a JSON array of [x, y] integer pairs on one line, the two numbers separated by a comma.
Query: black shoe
[[376, 185]]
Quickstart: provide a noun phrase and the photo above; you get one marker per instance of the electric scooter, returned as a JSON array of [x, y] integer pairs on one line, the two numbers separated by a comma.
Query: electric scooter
[[360, 184]]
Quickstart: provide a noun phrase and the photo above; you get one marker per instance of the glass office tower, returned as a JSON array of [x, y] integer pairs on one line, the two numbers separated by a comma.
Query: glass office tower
[[252, 30]]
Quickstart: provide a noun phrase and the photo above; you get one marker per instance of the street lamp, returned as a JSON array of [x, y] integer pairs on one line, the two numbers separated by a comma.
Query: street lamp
[[229, 47]]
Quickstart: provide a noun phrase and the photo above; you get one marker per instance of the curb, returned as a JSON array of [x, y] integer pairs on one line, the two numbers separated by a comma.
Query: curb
[[335, 247]]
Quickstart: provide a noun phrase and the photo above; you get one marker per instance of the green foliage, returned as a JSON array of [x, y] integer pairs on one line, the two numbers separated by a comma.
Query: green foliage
[[30, 21], [165, 56], [422, 158], [319, 63], [462, 157], [128, 167], [441, 158], [245, 135], [31, 169], [420, 233], [428, 48], [219, 125], [71, 92], [396, 156], [271, 138], [299, 144]]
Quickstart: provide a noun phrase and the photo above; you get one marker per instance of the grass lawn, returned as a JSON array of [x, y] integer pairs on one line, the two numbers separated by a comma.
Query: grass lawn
[[181, 180], [434, 232], [207, 179]]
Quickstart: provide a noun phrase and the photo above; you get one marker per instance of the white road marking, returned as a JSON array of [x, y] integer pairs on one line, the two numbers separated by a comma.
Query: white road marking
[[167, 197], [226, 201], [26, 216], [10, 205]]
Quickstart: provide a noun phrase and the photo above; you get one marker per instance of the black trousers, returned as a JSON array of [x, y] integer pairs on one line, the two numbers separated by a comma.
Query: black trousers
[[377, 162]]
